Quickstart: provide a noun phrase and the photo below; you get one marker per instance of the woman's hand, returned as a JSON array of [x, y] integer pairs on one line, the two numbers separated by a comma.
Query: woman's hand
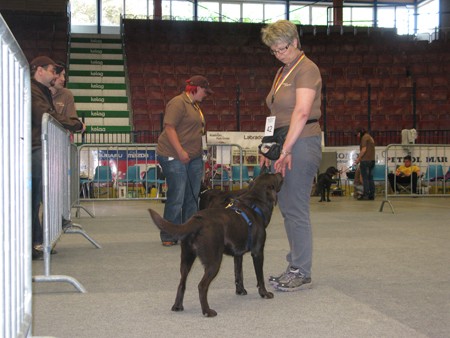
[[284, 161], [264, 161], [184, 156]]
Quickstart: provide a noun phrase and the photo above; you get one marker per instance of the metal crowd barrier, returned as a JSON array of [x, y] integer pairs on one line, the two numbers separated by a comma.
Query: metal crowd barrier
[[75, 182], [15, 182], [227, 167], [119, 171], [57, 200], [131, 171], [434, 178]]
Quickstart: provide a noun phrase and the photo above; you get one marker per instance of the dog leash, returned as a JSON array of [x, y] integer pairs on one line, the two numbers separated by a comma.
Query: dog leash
[[247, 219]]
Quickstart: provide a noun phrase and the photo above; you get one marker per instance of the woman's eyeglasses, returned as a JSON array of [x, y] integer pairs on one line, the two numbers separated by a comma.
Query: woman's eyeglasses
[[281, 50]]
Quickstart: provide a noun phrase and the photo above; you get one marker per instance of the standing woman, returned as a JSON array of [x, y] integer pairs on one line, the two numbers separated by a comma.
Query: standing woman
[[179, 152], [294, 101]]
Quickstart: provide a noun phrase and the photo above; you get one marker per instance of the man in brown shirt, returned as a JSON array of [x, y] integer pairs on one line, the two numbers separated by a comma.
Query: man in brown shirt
[[43, 76], [366, 160]]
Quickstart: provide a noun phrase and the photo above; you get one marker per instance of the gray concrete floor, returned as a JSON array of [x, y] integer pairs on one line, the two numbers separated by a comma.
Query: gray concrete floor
[[375, 274]]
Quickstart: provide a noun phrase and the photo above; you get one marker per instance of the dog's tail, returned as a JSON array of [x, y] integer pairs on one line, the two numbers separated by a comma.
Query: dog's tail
[[179, 231]]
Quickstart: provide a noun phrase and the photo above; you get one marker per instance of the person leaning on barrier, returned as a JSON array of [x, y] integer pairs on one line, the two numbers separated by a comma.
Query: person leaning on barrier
[[43, 76], [406, 174], [63, 99], [179, 150]]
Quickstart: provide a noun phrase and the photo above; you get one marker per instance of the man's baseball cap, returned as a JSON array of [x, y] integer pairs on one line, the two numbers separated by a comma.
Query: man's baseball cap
[[201, 81], [41, 61]]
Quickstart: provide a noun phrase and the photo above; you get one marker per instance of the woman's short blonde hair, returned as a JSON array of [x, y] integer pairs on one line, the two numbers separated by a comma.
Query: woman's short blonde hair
[[278, 32]]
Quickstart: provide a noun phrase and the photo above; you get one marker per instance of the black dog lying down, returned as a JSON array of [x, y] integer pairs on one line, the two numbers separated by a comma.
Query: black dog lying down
[[324, 182], [234, 230]]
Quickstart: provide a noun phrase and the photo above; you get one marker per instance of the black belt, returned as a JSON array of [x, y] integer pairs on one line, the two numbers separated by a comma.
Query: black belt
[[312, 121]]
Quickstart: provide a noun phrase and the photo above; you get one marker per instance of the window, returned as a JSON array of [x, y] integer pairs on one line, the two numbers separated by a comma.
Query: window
[[274, 12], [231, 12], [405, 20], [386, 17], [300, 14], [252, 12], [84, 12], [358, 16], [177, 10], [137, 8], [428, 18], [401, 17], [208, 11], [319, 15], [111, 11]]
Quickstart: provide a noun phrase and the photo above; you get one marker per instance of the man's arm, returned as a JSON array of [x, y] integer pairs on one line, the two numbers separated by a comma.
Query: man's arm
[[41, 105], [361, 154]]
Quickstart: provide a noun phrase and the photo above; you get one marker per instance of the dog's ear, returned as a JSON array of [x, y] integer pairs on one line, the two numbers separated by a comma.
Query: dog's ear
[[274, 187], [272, 193]]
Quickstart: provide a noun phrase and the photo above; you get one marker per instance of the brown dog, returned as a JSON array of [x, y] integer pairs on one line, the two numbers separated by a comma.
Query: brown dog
[[234, 230], [214, 198]]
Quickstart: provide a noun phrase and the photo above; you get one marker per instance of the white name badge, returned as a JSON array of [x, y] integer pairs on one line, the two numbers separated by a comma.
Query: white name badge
[[270, 126]]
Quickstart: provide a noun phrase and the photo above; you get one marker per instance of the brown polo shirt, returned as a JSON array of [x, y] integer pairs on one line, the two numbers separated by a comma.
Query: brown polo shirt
[[187, 121], [305, 75]]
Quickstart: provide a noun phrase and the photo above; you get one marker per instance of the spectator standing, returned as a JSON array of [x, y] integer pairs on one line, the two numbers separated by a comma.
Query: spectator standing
[[43, 76], [63, 99], [179, 150], [294, 101], [366, 160]]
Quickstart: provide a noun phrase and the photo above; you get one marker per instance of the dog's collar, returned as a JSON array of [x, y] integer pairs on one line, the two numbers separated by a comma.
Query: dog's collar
[[239, 211], [203, 191]]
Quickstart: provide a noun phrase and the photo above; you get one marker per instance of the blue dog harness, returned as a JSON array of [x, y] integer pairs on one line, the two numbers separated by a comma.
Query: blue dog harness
[[247, 219]]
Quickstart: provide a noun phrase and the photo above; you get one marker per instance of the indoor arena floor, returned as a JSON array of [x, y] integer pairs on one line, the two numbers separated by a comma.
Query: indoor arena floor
[[375, 274]]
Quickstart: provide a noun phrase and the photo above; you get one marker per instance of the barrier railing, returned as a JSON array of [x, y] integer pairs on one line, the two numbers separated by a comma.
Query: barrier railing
[[15, 178], [131, 171], [434, 177], [57, 200], [75, 182], [125, 171], [225, 167]]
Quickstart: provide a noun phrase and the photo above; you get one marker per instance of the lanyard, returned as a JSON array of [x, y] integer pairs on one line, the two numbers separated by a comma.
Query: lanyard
[[197, 107], [279, 82]]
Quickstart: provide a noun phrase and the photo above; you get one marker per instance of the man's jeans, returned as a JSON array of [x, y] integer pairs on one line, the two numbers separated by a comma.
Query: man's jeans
[[366, 168], [36, 196], [183, 188]]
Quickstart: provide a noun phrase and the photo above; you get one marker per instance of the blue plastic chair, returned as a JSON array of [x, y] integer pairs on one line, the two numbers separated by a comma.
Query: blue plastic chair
[[256, 171], [151, 179], [379, 172], [103, 179], [103, 174], [133, 175], [223, 181], [133, 179], [434, 172], [236, 174]]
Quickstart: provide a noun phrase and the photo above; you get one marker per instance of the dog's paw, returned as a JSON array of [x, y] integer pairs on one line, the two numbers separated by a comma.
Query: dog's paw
[[177, 308], [265, 294], [241, 291], [209, 313], [328, 200]]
